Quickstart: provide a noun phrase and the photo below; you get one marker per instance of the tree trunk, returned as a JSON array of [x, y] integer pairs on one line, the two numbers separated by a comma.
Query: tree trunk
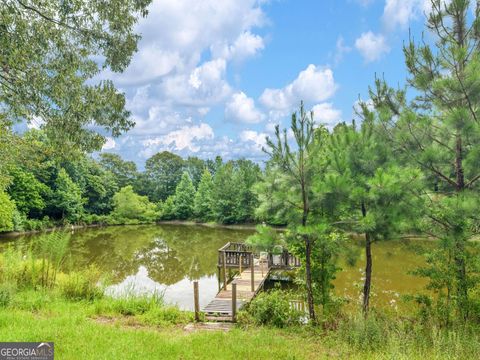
[[308, 273], [368, 274], [308, 256], [368, 268], [462, 291]]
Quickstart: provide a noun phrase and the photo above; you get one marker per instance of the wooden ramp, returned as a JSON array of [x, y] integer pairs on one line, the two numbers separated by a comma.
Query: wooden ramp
[[221, 307]]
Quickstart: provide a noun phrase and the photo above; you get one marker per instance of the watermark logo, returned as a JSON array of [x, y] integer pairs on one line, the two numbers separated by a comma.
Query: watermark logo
[[26, 351]]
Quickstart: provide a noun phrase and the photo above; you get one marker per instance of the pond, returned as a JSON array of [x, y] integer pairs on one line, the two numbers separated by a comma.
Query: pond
[[168, 258]]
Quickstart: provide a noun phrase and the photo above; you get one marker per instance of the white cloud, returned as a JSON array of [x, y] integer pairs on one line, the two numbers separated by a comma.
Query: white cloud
[[372, 46], [109, 144], [204, 86], [180, 71], [340, 50], [185, 138], [314, 84], [258, 139], [326, 114], [242, 109], [245, 46], [399, 13]]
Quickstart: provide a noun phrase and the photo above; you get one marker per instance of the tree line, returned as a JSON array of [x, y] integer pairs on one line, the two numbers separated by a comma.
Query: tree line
[[42, 188]]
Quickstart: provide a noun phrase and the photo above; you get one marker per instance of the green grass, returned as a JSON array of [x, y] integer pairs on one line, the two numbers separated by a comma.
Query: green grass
[[98, 330]]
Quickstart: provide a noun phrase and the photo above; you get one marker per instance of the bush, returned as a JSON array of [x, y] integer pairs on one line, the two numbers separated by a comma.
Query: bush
[[81, 285], [272, 308], [91, 219], [18, 270], [37, 224], [364, 334], [6, 294], [7, 210], [129, 304]]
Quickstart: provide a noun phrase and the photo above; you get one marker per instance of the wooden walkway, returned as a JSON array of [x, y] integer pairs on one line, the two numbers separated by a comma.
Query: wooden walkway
[[249, 280], [221, 307]]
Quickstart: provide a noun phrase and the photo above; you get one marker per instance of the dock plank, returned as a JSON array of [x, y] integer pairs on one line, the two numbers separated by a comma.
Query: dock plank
[[221, 305]]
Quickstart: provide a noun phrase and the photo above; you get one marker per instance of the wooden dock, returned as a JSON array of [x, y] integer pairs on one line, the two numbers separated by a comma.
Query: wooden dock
[[221, 307], [251, 274]]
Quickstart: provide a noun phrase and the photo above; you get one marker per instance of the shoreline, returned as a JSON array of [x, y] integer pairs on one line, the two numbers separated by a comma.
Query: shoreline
[[246, 226]]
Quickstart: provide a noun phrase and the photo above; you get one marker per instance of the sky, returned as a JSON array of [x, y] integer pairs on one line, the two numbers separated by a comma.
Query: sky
[[214, 77]]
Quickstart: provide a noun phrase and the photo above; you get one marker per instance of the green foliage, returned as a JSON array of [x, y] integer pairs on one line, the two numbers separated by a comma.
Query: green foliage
[[203, 201], [67, 197], [327, 248], [265, 238], [50, 54], [163, 172], [124, 172], [97, 185], [225, 196], [184, 198], [195, 168], [246, 176], [167, 208], [7, 211], [131, 208], [166, 315], [27, 192], [272, 308], [129, 304], [364, 334], [81, 285], [51, 249], [6, 294]]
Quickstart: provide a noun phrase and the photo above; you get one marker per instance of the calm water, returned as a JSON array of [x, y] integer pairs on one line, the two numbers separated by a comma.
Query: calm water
[[168, 258]]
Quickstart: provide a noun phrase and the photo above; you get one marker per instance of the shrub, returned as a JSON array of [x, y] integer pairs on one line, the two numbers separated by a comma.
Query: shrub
[[6, 293], [272, 308], [7, 209], [129, 304], [18, 270], [81, 285], [364, 334]]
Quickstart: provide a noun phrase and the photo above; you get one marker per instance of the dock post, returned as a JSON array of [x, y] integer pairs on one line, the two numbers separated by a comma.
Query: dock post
[[234, 301], [196, 301], [252, 270], [224, 271]]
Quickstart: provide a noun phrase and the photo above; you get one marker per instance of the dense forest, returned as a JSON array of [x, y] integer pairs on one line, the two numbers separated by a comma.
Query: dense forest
[[43, 188]]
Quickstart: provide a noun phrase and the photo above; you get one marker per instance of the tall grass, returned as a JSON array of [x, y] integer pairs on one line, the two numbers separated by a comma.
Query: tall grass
[[51, 249]]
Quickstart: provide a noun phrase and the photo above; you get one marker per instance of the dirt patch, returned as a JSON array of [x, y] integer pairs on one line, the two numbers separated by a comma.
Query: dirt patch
[[208, 326]]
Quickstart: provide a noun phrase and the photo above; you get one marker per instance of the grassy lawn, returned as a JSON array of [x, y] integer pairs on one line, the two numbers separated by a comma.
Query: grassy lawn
[[85, 330]]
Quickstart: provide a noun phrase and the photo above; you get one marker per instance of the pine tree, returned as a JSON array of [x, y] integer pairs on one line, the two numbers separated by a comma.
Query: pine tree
[[203, 198], [439, 130], [374, 191], [298, 170], [184, 198]]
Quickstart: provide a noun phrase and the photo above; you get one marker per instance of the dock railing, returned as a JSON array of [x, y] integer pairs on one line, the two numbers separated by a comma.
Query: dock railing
[[235, 255]]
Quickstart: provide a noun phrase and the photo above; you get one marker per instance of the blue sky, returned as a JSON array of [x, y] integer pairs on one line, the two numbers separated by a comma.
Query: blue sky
[[214, 77]]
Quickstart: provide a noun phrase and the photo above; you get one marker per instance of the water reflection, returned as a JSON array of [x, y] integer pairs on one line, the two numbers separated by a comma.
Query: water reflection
[[141, 259], [168, 258]]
